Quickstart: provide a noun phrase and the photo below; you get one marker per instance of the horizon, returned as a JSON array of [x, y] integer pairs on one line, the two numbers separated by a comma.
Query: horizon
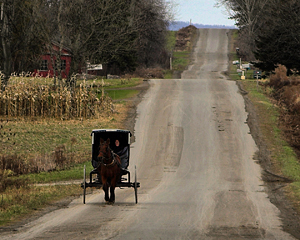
[[206, 24], [178, 24]]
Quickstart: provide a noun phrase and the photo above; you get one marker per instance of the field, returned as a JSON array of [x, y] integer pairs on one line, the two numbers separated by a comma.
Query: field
[[44, 149]]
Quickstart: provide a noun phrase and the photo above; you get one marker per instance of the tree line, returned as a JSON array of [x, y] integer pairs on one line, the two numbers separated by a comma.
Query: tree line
[[126, 33], [269, 31]]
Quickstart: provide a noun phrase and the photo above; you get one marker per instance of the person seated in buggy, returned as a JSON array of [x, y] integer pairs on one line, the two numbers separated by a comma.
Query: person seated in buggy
[[122, 152]]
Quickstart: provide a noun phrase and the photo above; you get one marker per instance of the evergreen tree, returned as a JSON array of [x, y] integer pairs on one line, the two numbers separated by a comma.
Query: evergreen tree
[[279, 41]]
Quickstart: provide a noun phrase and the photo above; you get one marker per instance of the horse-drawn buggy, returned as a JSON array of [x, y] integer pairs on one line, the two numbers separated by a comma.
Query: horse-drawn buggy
[[110, 159]]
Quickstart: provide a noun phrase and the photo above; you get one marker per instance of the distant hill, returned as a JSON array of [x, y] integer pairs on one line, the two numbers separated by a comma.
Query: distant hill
[[176, 25]]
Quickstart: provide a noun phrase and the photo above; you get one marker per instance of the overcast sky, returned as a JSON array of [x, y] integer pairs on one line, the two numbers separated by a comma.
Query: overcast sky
[[202, 12]]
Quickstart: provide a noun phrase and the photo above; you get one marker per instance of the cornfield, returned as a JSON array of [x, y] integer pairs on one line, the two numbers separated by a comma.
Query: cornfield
[[32, 99]]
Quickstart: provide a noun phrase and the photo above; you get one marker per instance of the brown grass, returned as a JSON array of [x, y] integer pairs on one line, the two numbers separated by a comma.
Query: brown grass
[[44, 145], [279, 79], [286, 91]]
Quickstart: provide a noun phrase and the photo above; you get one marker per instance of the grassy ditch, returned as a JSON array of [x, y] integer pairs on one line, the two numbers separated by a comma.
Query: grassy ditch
[[171, 41], [180, 61], [46, 150], [75, 172], [285, 161], [180, 58], [116, 89], [121, 94], [18, 203]]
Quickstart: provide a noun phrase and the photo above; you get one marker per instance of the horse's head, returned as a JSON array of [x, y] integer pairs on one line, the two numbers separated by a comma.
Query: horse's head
[[104, 151]]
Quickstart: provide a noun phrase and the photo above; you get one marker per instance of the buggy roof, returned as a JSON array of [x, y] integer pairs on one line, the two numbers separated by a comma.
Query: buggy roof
[[113, 134], [112, 130]]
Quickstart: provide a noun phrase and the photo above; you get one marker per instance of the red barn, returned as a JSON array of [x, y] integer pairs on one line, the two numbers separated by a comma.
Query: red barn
[[47, 60]]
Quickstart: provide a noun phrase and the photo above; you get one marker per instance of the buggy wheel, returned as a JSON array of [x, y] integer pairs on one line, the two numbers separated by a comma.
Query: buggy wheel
[[84, 184], [135, 186]]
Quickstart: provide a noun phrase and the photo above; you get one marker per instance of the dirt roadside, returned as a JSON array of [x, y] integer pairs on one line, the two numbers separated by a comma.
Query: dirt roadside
[[274, 184]]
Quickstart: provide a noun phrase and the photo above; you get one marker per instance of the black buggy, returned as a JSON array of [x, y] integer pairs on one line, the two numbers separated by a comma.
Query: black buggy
[[123, 150]]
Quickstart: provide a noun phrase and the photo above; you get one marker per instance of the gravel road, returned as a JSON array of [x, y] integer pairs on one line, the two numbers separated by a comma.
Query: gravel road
[[195, 162]]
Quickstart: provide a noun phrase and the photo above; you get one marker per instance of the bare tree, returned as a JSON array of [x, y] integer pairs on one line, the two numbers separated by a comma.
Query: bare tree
[[117, 32], [95, 30], [249, 16], [23, 35], [5, 40], [121, 32], [152, 20]]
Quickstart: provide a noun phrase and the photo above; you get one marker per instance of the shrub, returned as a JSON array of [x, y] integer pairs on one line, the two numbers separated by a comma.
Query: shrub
[[17, 165], [6, 181], [59, 156], [279, 79], [9, 167]]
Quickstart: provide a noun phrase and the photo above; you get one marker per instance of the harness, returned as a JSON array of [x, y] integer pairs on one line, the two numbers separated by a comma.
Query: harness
[[114, 161]]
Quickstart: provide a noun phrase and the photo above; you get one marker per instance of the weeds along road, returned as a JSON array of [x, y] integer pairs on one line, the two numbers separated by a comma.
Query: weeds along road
[[194, 158]]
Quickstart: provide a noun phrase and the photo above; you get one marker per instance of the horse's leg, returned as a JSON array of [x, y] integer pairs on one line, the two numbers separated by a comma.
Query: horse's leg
[[105, 189], [112, 190]]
